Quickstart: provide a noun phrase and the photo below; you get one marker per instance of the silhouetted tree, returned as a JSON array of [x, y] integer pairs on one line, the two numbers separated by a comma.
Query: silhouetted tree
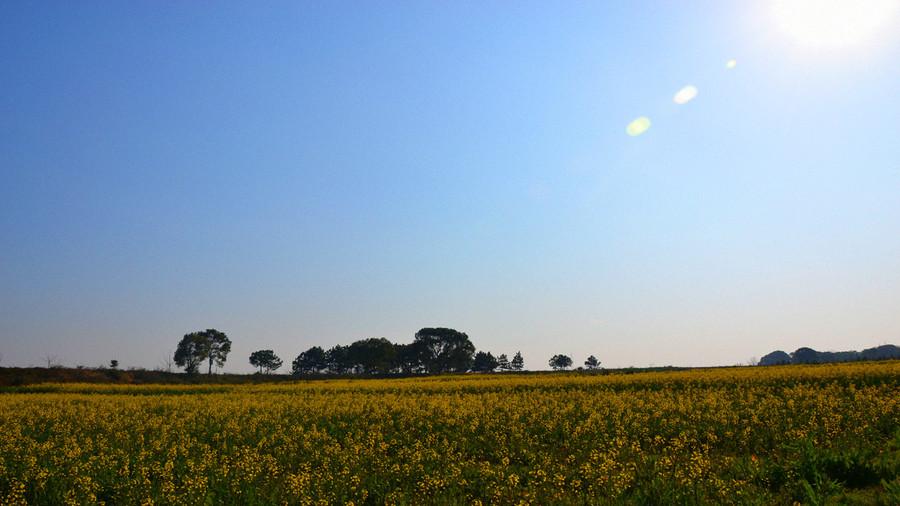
[[445, 350], [373, 355], [503, 362], [190, 352], [338, 359], [310, 361], [484, 362], [208, 345], [592, 363], [518, 363], [409, 358], [266, 360], [217, 346], [558, 362]]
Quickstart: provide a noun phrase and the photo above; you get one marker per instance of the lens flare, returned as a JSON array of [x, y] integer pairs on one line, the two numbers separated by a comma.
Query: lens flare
[[638, 126], [730, 64], [685, 95]]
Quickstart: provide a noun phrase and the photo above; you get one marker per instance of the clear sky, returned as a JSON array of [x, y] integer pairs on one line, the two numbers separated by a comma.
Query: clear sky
[[299, 173]]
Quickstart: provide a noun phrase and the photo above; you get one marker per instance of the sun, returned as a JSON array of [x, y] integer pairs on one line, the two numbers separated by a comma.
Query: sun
[[833, 24]]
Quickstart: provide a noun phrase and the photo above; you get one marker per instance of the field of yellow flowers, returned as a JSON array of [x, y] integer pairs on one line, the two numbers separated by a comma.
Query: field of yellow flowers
[[748, 435]]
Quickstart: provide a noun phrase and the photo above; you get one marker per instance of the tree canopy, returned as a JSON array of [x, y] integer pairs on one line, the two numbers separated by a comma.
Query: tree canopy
[[310, 361], [558, 362], [189, 353], [266, 360], [209, 345], [484, 362], [444, 350], [518, 363], [435, 350]]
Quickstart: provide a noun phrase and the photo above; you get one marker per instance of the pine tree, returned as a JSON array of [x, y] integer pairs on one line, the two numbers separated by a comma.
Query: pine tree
[[503, 363], [518, 363]]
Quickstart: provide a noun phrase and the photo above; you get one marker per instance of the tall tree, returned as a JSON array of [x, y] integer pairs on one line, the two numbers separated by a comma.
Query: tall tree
[[310, 361], [592, 363], [217, 348], [503, 362], [266, 360], [207, 345], [445, 350], [190, 352], [518, 363], [338, 359], [484, 362], [558, 362], [371, 356], [409, 357]]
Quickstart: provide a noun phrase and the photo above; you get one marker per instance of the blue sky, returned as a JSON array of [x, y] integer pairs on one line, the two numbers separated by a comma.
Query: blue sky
[[314, 173]]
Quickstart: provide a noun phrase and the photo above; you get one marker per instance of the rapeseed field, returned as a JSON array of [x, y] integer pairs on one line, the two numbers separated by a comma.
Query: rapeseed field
[[749, 435]]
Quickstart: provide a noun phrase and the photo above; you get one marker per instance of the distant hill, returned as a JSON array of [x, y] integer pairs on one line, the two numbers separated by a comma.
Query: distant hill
[[811, 356]]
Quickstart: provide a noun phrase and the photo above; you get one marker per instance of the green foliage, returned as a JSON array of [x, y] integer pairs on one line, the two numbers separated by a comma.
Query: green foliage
[[266, 360], [312, 360], [484, 362], [518, 363], [209, 345], [444, 350], [559, 362]]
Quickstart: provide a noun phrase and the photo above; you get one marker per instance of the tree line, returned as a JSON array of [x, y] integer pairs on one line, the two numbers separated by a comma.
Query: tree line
[[432, 351]]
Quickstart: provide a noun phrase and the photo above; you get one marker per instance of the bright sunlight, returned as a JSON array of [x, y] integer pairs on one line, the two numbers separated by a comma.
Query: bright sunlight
[[832, 24]]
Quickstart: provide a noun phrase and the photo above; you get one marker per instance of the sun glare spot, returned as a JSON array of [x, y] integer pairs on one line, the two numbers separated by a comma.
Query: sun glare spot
[[730, 64], [638, 126], [831, 24], [685, 94]]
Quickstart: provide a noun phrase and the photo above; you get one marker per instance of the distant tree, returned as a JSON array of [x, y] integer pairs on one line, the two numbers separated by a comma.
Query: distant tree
[[559, 362], [312, 360], [266, 360], [338, 359], [592, 363], [503, 362], [216, 347], [190, 352], [484, 362], [409, 358], [372, 356], [209, 345], [113, 364], [445, 350], [518, 363]]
